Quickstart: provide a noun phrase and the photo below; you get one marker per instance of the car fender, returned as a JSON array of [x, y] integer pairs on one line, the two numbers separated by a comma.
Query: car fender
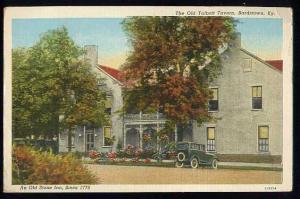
[[212, 157], [195, 156]]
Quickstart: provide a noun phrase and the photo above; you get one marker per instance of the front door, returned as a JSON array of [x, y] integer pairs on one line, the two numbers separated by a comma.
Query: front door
[[132, 137], [90, 140]]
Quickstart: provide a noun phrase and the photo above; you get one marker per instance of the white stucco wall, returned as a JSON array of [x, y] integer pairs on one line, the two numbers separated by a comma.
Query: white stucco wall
[[237, 128], [117, 103]]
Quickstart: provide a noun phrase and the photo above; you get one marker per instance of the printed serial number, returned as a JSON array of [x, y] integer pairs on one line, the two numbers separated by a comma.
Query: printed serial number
[[270, 188]]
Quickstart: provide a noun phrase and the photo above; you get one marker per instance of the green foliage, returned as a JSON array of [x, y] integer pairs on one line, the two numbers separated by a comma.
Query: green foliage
[[51, 79], [119, 145], [165, 70], [34, 167], [110, 140]]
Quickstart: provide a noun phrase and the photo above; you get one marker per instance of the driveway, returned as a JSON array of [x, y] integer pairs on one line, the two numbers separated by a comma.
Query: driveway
[[111, 174]]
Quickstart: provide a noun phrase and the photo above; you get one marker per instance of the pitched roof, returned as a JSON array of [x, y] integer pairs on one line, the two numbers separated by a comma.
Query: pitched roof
[[261, 60], [115, 73], [118, 75], [276, 63]]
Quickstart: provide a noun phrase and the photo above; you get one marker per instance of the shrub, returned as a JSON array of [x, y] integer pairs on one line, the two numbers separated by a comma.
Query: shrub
[[46, 168], [94, 154], [112, 155], [23, 164], [148, 153], [121, 154]]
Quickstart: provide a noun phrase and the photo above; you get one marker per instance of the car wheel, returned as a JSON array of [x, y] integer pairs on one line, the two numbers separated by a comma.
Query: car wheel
[[194, 163], [179, 164], [180, 156], [214, 164]]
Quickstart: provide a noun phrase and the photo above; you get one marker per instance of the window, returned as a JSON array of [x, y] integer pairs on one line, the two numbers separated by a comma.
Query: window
[[263, 138], [107, 136], [211, 139], [108, 104], [90, 139], [256, 97], [213, 104], [247, 65], [73, 141]]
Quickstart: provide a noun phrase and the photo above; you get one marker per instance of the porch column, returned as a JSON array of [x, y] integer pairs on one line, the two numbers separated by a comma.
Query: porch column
[[157, 129], [141, 132], [124, 137], [84, 141], [141, 136], [175, 133]]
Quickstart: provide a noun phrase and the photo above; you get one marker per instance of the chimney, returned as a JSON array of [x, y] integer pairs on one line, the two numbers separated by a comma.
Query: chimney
[[237, 40], [91, 54]]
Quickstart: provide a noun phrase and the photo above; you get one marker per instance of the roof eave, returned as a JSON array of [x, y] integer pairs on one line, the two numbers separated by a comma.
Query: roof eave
[[113, 78], [260, 60]]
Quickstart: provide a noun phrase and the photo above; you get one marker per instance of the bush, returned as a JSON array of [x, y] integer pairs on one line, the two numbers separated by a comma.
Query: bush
[[34, 167], [94, 155], [148, 153], [23, 164]]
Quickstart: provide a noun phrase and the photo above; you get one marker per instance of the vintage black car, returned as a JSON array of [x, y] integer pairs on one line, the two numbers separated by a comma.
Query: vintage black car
[[189, 153]]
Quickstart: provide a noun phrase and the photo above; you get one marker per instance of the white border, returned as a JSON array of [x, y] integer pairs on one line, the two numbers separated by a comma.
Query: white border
[[114, 12]]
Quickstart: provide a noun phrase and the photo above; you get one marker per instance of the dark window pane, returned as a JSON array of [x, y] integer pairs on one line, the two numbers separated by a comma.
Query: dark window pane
[[108, 111], [211, 145], [213, 105], [106, 142], [179, 133], [263, 145], [257, 103]]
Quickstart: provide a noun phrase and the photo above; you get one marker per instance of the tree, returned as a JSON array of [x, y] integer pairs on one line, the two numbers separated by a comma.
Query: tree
[[172, 61], [52, 81]]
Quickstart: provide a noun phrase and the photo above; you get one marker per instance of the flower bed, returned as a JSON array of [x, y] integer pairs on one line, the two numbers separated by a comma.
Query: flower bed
[[141, 162], [134, 155]]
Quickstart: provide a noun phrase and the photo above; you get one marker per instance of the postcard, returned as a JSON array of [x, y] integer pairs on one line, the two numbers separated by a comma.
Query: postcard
[[148, 99]]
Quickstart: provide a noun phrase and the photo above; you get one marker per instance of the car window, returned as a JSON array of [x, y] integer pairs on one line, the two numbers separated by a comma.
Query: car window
[[182, 146]]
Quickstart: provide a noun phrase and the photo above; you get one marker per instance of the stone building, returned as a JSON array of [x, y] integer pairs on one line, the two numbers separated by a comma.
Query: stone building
[[247, 105]]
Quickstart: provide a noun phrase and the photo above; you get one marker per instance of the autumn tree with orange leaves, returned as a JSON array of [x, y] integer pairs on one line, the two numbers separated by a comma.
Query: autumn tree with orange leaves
[[172, 62]]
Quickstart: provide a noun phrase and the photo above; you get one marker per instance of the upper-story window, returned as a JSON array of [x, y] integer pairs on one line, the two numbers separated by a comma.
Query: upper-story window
[[108, 104], [101, 84], [213, 103], [247, 64], [256, 97]]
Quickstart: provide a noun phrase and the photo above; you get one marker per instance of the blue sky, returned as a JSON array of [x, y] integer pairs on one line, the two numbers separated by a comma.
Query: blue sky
[[263, 37]]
